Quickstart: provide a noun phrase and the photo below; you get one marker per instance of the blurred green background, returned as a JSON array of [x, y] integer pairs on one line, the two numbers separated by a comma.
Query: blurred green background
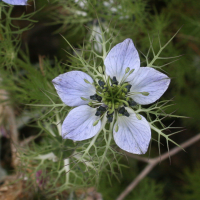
[[138, 20]]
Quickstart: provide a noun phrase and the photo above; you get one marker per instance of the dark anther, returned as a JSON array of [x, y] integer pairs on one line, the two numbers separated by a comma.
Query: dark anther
[[132, 103], [114, 80], [96, 97], [126, 113], [93, 97], [100, 110], [110, 117], [98, 113], [101, 83], [99, 98], [128, 87], [123, 111]]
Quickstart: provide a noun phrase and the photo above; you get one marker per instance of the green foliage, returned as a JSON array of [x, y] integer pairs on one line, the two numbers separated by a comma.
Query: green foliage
[[10, 35], [146, 190], [190, 184]]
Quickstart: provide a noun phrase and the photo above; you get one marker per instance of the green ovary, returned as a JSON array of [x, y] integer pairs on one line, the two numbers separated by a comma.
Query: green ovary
[[114, 96]]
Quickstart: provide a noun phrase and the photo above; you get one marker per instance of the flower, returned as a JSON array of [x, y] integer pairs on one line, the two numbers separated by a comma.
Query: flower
[[113, 97], [16, 2]]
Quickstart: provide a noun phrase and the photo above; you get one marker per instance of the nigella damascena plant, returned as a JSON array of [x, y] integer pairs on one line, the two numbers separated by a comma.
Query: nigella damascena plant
[[112, 98]]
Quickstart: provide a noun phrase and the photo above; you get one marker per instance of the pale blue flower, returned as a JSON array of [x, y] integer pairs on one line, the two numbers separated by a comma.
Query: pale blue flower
[[123, 85], [16, 2]]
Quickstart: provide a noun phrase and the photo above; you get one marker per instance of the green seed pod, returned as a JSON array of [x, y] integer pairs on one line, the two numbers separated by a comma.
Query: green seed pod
[[125, 90], [106, 94], [116, 106], [98, 88], [123, 94]]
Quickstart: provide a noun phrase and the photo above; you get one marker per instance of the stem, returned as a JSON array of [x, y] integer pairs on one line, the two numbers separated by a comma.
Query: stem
[[108, 142], [67, 169], [46, 105], [58, 124], [59, 163], [91, 144]]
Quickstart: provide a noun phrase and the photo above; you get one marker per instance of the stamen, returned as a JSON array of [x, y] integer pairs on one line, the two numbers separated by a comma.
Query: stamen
[[101, 83], [145, 93], [132, 93], [126, 113], [127, 70], [114, 81], [92, 104], [132, 103], [100, 110], [131, 71], [123, 111], [128, 87], [116, 128], [84, 99], [96, 97], [138, 116], [125, 77], [95, 123], [87, 81], [110, 117]]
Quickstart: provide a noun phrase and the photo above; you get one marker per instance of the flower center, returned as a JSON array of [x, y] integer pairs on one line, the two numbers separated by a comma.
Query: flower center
[[113, 97]]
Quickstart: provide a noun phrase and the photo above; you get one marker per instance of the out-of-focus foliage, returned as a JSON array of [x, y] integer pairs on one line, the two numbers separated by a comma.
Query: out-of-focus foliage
[[190, 184], [30, 57]]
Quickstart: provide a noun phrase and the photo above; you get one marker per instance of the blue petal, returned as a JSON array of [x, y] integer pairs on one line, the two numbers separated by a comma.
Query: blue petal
[[16, 2], [78, 125], [133, 134], [71, 87], [120, 57], [148, 80]]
